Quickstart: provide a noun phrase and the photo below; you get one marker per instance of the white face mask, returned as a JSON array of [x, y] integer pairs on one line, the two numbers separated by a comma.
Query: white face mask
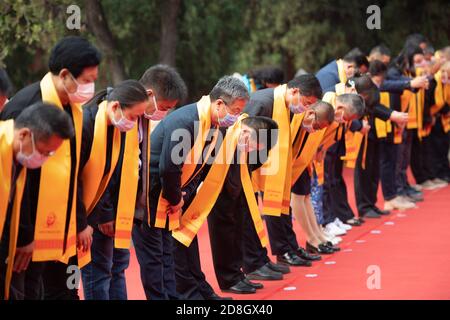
[[297, 108], [32, 161], [83, 93], [123, 124], [157, 114]]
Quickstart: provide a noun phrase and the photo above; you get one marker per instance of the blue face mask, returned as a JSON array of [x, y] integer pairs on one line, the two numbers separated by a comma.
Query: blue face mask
[[228, 120]]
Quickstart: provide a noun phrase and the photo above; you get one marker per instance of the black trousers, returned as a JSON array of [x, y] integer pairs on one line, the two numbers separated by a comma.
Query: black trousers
[[420, 159], [254, 254], [335, 203], [190, 279], [388, 160], [366, 180], [439, 146], [403, 161], [154, 251], [225, 225], [55, 277], [282, 236], [41, 281]]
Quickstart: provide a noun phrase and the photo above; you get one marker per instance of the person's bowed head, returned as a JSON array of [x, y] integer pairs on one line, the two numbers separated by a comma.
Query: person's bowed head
[[38, 133]]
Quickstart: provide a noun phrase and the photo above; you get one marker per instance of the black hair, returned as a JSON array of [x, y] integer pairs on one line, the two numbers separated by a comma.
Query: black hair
[[267, 74], [45, 120], [368, 90], [381, 49], [415, 40], [405, 60], [357, 56], [263, 126], [128, 93], [229, 89], [323, 110], [75, 54], [377, 68], [5, 83], [166, 82], [308, 85]]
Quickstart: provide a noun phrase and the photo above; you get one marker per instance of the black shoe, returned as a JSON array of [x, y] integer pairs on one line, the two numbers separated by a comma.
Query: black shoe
[[413, 194], [371, 214], [331, 246], [240, 288], [284, 269], [255, 285], [381, 212], [354, 222], [265, 273], [214, 296], [293, 260], [321, 249], [307, 256], [361, 220]]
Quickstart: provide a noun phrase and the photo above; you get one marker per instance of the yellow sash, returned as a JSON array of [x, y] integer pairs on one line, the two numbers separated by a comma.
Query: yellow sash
[[6, 161], [204, 201], [330, 135], [276, 172], [192, 159], [441, 98], [51, 212], [383, 127], [341, 71], [441, 94], [94, 184], [416, 108], [128, 189]]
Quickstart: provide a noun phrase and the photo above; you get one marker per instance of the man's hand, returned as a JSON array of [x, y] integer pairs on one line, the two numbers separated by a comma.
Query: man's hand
[[399, 118], [419, 82], [23, 257], [365, 127], [176, 208], [107, 228], [84, 239]]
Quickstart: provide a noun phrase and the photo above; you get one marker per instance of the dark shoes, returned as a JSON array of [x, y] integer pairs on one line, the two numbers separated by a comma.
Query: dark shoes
[[321, 249], [241, 288], [372, 214], [354, 222], [265, 273], [293, 260], [307, 256], [214, 296], [255, 285], [284, 269], [381, 212]]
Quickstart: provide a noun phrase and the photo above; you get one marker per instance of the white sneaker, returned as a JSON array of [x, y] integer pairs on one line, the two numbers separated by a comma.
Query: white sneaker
[[398, 203], [428, 185], [417, 187], [439, 183], [342, 225], [333, 229]]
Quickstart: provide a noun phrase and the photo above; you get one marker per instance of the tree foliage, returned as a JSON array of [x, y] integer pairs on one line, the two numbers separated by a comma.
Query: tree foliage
[[217, 37]]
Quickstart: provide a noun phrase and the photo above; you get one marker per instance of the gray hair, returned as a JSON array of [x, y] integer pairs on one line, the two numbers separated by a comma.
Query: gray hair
[[229, 89], [354, 102]]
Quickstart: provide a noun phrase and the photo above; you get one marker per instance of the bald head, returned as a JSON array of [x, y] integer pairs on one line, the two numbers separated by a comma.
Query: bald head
[[324, 112]]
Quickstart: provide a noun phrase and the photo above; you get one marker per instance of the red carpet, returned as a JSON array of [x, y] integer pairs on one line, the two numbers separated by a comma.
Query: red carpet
[[409, 248]]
